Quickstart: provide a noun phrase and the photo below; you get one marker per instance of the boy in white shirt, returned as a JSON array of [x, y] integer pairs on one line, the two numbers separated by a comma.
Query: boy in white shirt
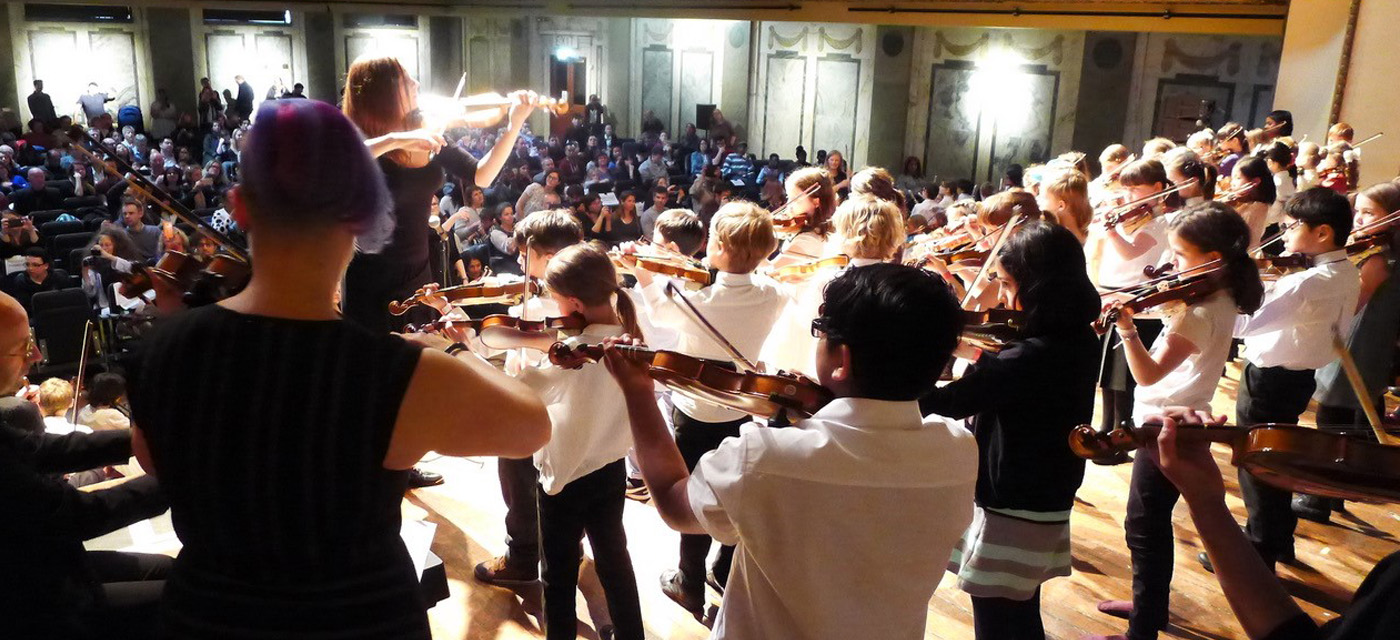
[[866, 492], [1286, 341], [743, 308]]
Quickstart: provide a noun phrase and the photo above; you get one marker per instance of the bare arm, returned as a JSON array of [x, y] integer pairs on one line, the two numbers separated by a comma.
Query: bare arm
[[1145, 368], [1133, 247], [663, 468], [490, 166], [506, 418]]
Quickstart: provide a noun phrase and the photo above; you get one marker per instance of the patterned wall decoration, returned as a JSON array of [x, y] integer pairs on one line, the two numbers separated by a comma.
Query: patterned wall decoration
[[983, 99], [813, 89]]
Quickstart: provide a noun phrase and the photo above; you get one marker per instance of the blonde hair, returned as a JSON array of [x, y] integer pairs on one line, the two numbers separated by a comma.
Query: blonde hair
[[1114, 153], [585, 271], [872, 227], [1342, 130], [1156, 147], [746, 231], [1073, 188], [55, 396]]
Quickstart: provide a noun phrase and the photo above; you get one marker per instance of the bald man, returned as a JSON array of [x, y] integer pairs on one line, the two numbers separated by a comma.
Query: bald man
[[38, 196], [50, 587]]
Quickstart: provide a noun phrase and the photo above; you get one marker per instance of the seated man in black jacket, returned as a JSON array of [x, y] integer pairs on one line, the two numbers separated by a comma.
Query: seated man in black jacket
[[50, 587]]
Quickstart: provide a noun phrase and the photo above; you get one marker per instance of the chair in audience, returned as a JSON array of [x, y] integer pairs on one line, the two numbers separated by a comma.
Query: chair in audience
[[41, 217], [58, 318], [73, 204], [51, 230], [61, 248]]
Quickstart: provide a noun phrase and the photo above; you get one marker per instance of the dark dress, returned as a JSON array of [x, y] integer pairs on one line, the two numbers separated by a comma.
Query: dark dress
[[269, 435], [373, 280]]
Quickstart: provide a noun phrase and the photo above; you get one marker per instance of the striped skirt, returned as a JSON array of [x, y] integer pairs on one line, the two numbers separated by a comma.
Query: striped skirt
[[1008, 553]]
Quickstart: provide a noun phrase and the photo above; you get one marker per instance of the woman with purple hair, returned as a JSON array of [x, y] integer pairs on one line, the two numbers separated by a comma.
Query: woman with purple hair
[[382, 100], [283, 434]]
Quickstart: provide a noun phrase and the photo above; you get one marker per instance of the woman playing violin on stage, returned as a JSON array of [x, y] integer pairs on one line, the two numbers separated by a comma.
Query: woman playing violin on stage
[[382, 100], [1182, 368], [1027, 475]]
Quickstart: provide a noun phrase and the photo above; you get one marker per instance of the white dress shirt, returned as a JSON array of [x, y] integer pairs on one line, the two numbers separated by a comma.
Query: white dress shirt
[[1301, 313], [844, 522], [591, 428], [742, 307]]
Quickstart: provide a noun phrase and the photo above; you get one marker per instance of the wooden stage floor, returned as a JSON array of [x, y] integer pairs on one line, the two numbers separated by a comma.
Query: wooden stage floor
[[1332, 561]]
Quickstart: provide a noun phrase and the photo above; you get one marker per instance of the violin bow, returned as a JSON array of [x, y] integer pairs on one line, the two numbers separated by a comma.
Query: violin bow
[[816, 186], [992, 256], [1368, 140], [1358, 385], [82, 365], [699, 320], [1367, 229]]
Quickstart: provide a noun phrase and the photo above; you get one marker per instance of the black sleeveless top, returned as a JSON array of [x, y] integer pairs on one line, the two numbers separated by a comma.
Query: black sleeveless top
[[268, 435]]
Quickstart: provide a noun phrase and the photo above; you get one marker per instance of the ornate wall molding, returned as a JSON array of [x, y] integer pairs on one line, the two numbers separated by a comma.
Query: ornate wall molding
[[826, 40], [1173, 53], [775, 40], [942, 43]]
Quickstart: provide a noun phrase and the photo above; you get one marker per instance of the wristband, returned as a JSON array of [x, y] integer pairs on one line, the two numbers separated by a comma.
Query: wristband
[[1130, 334], [456, 348]]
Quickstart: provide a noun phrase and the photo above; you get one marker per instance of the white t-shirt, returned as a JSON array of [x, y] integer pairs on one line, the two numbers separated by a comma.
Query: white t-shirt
[[1118, 271], [1208, 325], [60, 426], [591, 428], [844, 522]]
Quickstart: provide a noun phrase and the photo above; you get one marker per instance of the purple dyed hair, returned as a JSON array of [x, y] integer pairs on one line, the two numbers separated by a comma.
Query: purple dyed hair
[[304, 162]]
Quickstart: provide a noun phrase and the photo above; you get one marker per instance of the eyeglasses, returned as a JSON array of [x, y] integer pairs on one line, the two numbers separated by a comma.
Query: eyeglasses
[[29, 346], [821, 328]]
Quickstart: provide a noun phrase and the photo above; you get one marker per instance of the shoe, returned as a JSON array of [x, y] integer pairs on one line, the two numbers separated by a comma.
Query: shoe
[[688, 597], [500, 571], [1312, 508], [1116, 608], [1204, 559], [418, 478], [606, 632], [711, 580], [1271, 560], [640, 494]]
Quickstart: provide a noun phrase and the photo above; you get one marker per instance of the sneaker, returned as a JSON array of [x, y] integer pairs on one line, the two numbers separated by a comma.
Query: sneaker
[[687, 596], [711, 580], [1117, 608], [418, 478], [500, 571]]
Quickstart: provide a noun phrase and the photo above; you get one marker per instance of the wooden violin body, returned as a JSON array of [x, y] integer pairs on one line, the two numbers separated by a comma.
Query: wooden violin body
[[1290, 457], [800, 271], [467, 294], [1187, 290], [176, 267], [992, 329], [663, 266], [757, 394]]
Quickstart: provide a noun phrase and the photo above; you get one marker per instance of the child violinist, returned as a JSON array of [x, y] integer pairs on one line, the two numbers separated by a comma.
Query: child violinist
[[1287, 339], [742, 307], [814, 210], [581, 470], [1181, 369], [1065, 197], [808, 567], [1027, 475], [868, 231], [1372, 334], [1121, 256], [1254, 205], [1183, 164]]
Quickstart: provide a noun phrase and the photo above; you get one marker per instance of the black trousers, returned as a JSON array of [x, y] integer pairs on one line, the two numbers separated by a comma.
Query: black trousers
[[1151, 544], [1006, 619], [590, 505], [1270, 394], [1117, 381], [373, 281], [132, 584], [520, 482], [694, 439]]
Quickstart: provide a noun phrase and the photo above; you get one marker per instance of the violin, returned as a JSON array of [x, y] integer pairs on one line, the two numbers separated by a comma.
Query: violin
[[175, 267], [468, 294], [800, 271], [1218, 153], [1187, 288], [1270, 266], [784, 222], [757, 394], [1366, 246], [1322, 461], [1135, 214], [661, 266], [1234, 197], [993, 329]]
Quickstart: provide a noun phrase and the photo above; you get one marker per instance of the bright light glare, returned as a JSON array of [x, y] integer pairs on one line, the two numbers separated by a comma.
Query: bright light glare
[[565, 54], [1000, 88]]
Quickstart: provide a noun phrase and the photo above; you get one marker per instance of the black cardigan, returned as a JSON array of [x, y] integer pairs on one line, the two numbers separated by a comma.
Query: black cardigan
[[1023, 402]]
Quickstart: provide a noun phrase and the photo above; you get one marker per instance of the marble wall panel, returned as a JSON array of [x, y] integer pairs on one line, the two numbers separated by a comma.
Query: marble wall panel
[[114, 53], [954, 122], [404, 47], [274, 51], [697, 82], [656, 83], [1025, 137], [479, 68], [51, 61], [225, 55], [784, 103], [835, 102]]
